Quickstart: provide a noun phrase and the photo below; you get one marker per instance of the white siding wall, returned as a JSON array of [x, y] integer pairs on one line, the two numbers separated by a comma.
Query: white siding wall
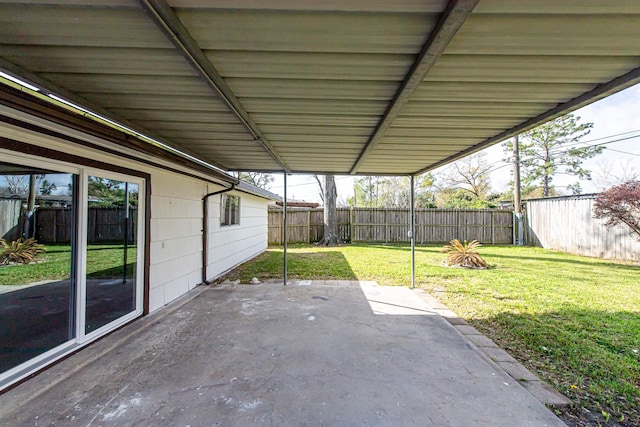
[[176, 237], [230, 245], [176, 220]]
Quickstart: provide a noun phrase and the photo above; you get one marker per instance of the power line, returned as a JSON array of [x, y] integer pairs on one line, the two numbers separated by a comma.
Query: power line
[[604, 137], [308, 183], [623, 152], [563, 150]]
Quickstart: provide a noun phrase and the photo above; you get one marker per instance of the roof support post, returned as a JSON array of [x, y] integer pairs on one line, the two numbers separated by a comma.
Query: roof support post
[[412, 229], [284, 229], [451, 20]]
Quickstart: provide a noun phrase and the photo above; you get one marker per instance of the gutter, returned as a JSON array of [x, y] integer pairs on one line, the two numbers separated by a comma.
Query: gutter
[[205, 230]]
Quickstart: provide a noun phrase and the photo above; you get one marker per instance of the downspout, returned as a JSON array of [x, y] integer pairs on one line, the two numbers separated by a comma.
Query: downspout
[[205, 230]]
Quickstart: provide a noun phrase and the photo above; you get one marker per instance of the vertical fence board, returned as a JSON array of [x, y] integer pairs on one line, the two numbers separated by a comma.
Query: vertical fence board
[[392, 225], [567, 224], [104, 225]]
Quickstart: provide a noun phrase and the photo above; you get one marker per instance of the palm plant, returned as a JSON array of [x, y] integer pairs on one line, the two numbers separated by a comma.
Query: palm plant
[[20, 252], [464, 254]]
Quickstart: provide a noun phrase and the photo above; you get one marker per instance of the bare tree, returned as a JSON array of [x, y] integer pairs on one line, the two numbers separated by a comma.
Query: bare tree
[[321, 192], [257, 179], [17, 184], [471, 174], [609, 174]]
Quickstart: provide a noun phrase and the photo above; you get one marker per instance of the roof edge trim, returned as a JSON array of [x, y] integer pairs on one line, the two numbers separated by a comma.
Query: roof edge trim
[[42, 108]]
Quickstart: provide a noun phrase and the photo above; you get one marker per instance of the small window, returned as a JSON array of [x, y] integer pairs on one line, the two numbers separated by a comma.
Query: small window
[[230, 210]]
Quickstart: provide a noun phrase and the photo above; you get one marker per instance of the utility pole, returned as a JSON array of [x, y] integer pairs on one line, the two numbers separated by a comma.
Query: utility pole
[[517, 200]]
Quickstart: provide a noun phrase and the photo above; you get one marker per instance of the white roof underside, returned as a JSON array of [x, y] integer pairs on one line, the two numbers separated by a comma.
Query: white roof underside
[[316, 78]]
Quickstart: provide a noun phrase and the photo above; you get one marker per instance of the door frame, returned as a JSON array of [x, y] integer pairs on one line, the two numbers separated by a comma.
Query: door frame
[[14, 151]]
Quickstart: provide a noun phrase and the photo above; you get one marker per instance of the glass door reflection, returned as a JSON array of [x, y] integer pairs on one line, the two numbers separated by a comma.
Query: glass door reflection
[[111, 251], [37, 286]]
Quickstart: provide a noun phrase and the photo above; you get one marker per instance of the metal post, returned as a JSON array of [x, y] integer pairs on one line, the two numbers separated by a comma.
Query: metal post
[[284, 227], [412, 210], [517, 200]]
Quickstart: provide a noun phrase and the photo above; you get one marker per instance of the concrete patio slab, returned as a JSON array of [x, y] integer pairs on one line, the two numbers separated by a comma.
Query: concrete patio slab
[[326, 355]]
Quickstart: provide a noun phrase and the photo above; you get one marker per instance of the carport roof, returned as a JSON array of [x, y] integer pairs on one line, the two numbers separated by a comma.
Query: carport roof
[[360, 87]]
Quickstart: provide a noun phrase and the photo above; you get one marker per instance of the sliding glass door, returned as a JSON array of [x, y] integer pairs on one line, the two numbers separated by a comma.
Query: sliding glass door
[[37, 270], [111, 249], [71, 262]]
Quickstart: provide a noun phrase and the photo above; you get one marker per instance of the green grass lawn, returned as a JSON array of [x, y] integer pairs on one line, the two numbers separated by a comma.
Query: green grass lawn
[[575, 321], [103, 262]]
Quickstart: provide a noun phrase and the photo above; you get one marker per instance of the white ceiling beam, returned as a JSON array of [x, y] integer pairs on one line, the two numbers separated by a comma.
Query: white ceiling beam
[[452, 19], [166, 19]]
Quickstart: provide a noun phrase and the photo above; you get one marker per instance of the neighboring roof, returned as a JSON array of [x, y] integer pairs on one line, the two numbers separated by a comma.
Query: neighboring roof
[[365, 87], [298, 204]]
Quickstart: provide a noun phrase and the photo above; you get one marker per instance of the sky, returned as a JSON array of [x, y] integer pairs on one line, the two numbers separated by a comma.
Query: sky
[[618, 114]]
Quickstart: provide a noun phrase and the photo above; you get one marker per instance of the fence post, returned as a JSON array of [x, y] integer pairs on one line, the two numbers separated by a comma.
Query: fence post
[[309, 226], [55, 226], [351, 225], [281, 228], [386, 227], [493, 228]]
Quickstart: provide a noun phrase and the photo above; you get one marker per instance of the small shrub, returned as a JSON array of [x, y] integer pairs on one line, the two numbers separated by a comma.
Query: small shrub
[[464, 254], [20, 252]]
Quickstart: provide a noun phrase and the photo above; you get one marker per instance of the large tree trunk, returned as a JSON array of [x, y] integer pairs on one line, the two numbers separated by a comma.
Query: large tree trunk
[[330, 214]]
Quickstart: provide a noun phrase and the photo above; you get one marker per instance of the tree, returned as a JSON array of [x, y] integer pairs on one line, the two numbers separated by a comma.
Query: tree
[[365, 192], [425, 191], [471, 174], [620, 205], [465, 184], [321, 192], [260, 180], [392, 192], [551, 149], [457, 198], [330, 237], [17, 184], [46, 187], [611, 174], [107, 192]]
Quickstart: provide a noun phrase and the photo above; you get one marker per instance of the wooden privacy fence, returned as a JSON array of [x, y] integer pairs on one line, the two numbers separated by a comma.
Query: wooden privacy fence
[[11, 220], [392, 225], [567, 224], [104, 225]]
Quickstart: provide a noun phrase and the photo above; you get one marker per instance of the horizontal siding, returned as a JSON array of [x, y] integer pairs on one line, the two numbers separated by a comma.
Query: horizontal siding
[[231, 245], [176, 220]]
